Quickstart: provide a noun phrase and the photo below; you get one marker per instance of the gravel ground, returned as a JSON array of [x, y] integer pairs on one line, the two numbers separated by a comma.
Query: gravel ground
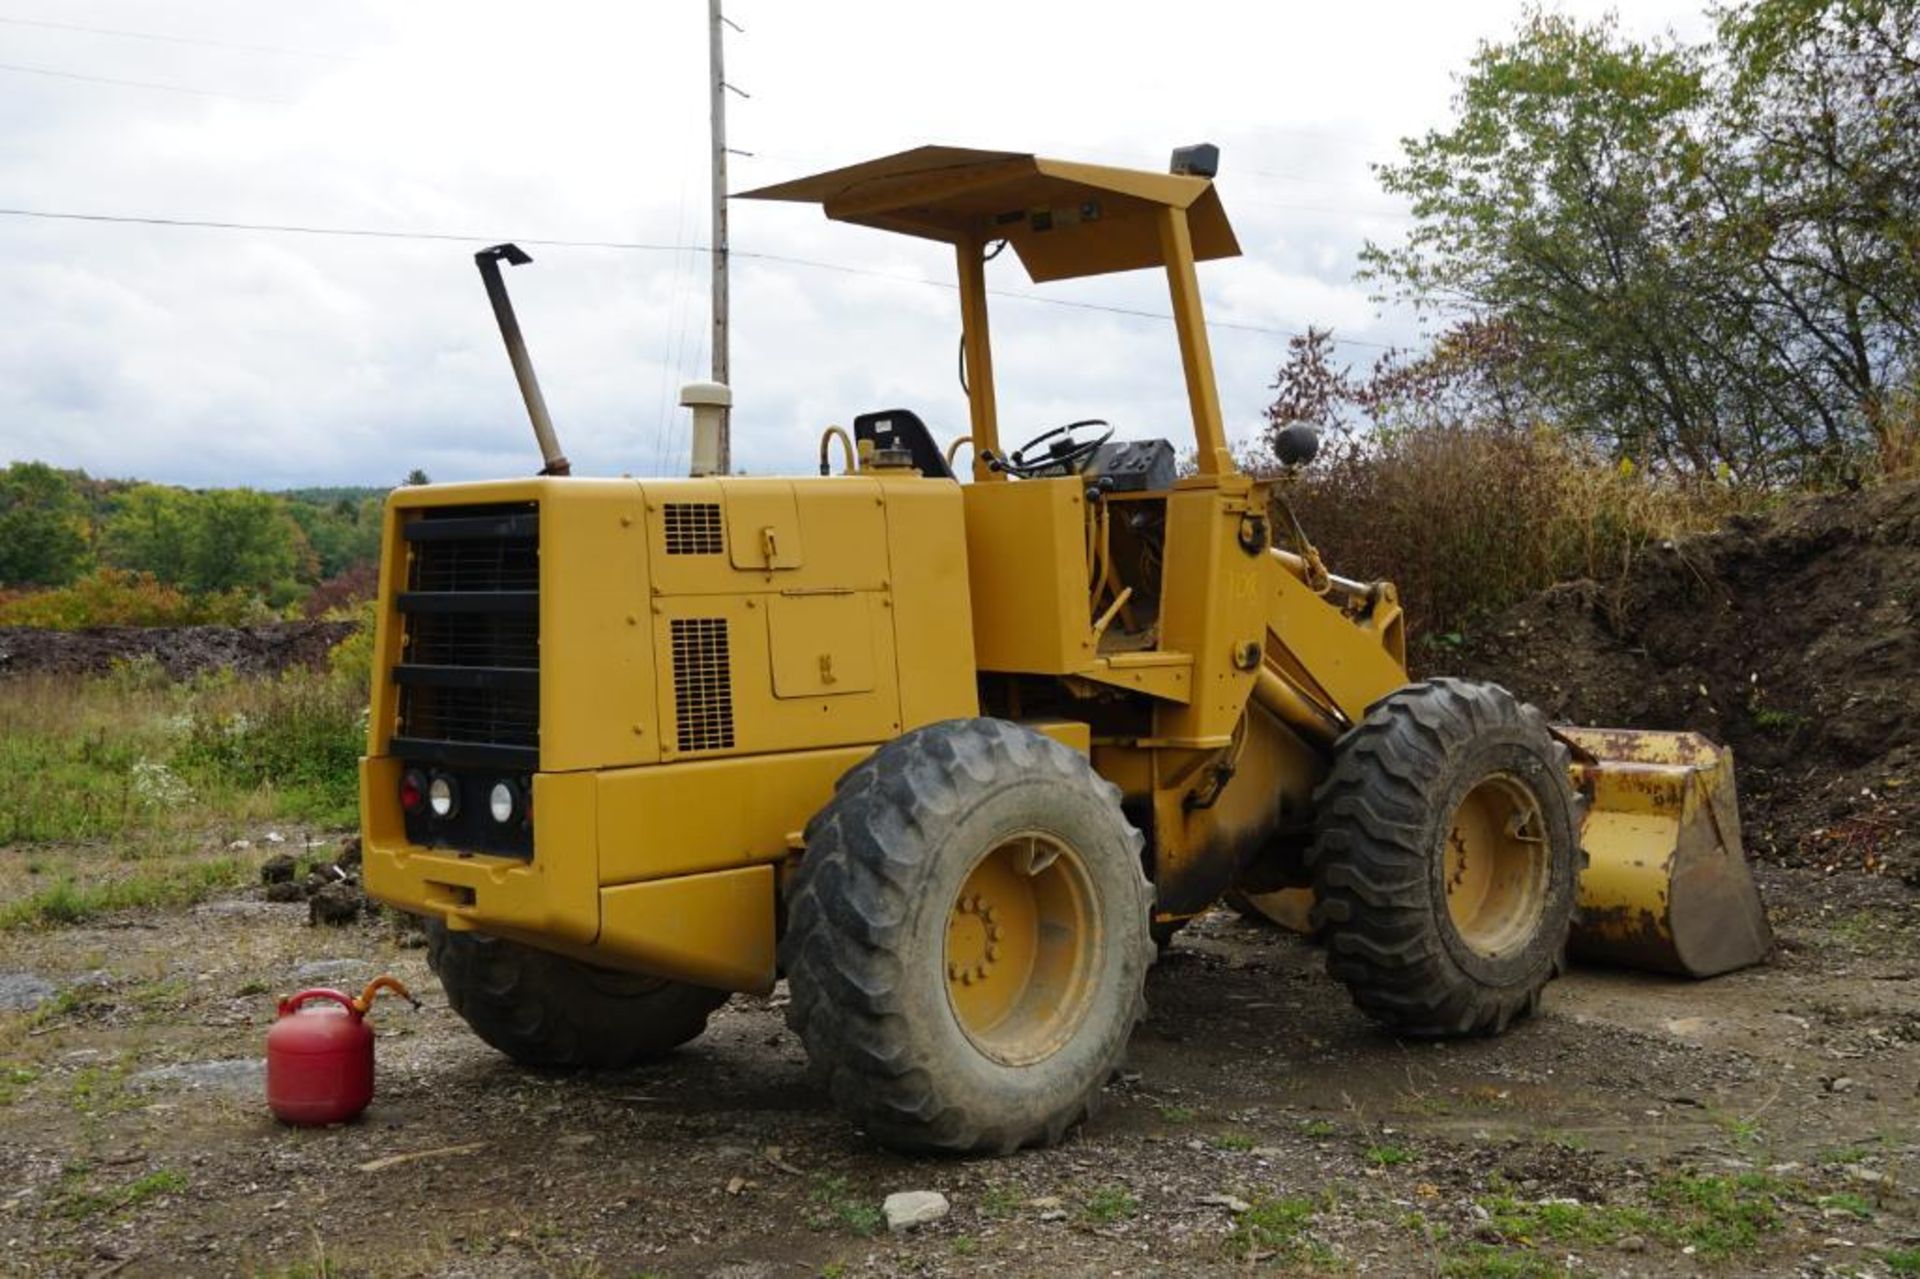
[[1767, 1122]]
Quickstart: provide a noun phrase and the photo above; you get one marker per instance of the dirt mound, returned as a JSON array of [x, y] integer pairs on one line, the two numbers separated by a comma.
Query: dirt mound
[[1791, 637], [183, 651]]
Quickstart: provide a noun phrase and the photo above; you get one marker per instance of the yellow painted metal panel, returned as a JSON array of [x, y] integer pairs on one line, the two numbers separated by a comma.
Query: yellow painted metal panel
[[597, 689], [822, 645], [713, 930], [763, 524], [1213, 605], [1334, 657], [698, 815], [718, 699], [930, 601], [1064, 219], [1027, 565], [840, 542], [556, 894]]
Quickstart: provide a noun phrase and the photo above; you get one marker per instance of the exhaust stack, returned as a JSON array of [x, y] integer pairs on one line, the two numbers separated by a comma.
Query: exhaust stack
[[488, 260]]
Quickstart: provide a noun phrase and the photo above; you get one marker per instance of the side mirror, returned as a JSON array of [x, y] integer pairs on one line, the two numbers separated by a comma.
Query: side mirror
[[1296, 445]]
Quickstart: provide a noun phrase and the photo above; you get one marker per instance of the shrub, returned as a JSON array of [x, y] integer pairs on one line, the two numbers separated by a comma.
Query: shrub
[[301, 734], [1466, 520], [116, 597]]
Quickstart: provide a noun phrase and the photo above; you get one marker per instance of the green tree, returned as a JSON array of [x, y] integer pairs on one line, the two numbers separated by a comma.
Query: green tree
[[243, 539], [151, 531], [43, 527], [1563, 201], [1824, 196]]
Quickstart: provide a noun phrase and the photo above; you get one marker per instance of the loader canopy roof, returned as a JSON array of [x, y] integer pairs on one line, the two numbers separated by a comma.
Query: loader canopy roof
[[1064, 219]]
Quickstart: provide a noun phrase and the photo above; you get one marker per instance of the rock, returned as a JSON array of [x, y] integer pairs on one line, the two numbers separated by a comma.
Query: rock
[[1842, 1084], [232, 1076], [286, 891], [908, 1209], [335, 905], [1631, 1243], [278, 869], [1232, 1203], [23, 992], [324, 969], [239, 845], [275, 837], [349, 851]]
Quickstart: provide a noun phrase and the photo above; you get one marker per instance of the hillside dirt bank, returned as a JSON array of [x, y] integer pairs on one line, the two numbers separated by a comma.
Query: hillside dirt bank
[[182, 651]]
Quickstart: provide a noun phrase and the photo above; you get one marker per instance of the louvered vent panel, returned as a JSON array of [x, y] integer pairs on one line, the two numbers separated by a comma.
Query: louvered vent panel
[[693, 528], [702, 683]]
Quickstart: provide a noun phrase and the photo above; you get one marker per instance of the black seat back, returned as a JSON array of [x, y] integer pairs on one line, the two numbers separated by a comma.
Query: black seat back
[[903, 429]]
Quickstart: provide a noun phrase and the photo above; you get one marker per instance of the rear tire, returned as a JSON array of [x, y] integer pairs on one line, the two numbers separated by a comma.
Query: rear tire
[[966, 939], [1446, 858], [543, 1009]]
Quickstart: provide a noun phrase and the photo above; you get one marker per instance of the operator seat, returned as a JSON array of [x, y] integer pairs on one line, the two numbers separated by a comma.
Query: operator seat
[[903, 429]]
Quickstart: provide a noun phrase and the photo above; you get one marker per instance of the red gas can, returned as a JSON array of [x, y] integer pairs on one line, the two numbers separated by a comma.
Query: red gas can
[[320, 1055]]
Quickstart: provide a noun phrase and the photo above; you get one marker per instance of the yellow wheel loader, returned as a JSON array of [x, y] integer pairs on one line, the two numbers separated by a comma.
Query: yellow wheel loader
[[949, 738]]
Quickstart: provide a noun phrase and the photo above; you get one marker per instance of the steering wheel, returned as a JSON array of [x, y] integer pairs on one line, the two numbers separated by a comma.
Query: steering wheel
[[1066, 455]]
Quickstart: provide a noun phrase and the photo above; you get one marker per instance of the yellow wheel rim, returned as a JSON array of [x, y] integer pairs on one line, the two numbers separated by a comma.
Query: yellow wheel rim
[[1023, 937], [1497, 866]]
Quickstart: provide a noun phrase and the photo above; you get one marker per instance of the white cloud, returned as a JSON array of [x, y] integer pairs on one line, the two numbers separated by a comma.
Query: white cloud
[[221, 357]]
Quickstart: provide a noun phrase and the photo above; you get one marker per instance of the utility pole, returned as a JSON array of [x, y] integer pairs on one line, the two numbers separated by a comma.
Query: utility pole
[[716, 61]]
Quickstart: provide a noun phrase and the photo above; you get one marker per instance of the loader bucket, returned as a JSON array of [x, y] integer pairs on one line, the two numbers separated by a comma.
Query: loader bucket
[[1667, 886]]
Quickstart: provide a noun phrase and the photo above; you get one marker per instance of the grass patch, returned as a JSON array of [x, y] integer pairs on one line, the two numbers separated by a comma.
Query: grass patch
[[1719, 1216], [1714, 1215], [13, 1081], [76, 1201], [1745, 1132], [999, 1201], [1107, 1205], [1234, 1141], [1902, 1261], [95, 757], [1773, 720], [1178, 1114], [1278, 1229], [1847, 1202], [1318, 1129], [69, 902], [1484, 1261], [1388, 1156], [836, 1204]]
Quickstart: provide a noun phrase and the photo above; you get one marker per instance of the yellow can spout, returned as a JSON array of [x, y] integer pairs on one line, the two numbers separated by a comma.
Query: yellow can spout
[[1667, 886]]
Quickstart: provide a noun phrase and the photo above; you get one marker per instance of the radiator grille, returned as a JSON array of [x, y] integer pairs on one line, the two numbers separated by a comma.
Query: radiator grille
[[470, 634], [702, 684], [693, 528]]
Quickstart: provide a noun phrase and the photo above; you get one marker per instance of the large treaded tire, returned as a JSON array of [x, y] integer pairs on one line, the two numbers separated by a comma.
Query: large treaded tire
[[865, 944], [1384, 815], [543, 1009]]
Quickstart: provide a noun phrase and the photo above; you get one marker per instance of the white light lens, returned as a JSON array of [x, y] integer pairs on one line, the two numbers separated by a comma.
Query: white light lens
[[440, 797], [500, 802]]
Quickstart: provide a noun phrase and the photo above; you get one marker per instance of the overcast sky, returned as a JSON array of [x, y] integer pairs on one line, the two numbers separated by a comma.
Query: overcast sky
[[226, 357]]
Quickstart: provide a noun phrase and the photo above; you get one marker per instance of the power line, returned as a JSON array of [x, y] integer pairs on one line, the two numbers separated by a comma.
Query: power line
[[633, 246], [171, 39], [139, 84]]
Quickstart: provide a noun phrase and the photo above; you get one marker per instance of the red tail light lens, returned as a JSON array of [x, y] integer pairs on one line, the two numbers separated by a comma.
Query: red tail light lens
[[413, 790]]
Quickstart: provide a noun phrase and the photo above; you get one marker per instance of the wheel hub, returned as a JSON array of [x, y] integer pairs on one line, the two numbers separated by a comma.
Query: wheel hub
[[1497, 866], [1023, 934]]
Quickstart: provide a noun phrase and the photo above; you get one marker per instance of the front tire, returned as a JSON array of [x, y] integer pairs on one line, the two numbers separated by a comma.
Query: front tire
[[543, 1009], [1445, 859], [966, 940]]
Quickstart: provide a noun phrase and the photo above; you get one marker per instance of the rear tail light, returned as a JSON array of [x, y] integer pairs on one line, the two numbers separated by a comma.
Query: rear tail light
[[413, 790]]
